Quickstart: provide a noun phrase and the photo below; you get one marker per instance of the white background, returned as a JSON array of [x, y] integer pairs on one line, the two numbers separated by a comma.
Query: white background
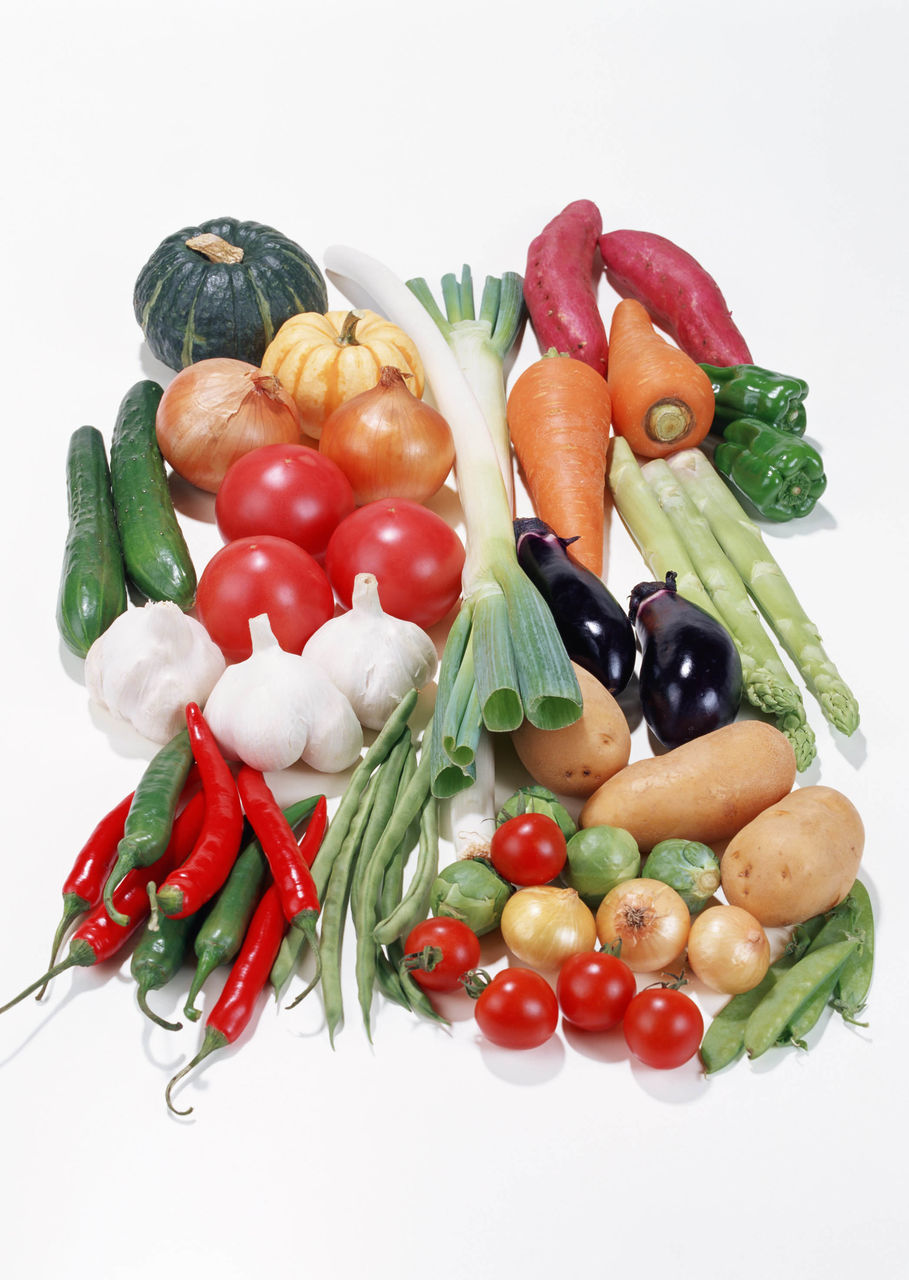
[[767, 140]]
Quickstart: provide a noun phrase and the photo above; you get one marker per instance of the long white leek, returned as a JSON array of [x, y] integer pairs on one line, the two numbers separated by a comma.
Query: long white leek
[[505, 635]]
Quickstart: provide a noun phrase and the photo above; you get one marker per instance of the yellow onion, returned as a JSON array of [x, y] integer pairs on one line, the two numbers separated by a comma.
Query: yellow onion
[[543, 925], [648, 918], [728, 949], [388, 442], [214, 411]]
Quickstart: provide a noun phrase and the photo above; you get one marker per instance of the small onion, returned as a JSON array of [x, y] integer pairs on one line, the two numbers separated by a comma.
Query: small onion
[[388, 442], [648, 918], [728, 949], [544, 925], [217, 410]]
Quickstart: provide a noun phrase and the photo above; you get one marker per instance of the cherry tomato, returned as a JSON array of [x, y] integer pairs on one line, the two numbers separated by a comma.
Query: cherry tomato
[[451, 949], [285, 490], [517, 1010], [594, 989], [416, 557], [528, 849], [663, 1027], [262, 575]]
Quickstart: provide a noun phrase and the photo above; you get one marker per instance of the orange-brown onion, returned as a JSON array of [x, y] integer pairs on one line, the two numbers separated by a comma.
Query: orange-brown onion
[[648, 918], [388, 442], [215, 411], [543, 925], [728, 949]]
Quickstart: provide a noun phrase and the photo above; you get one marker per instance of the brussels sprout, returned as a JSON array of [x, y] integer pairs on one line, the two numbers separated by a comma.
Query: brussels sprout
[[599, 858], [472, 891], [688, 866], [537, 800]]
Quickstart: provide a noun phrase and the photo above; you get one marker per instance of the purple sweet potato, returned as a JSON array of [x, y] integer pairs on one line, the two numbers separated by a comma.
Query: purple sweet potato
[[560, 285], [682, 298]]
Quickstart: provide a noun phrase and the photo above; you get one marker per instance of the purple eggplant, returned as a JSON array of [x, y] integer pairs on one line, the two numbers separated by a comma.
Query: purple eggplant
[[595, 629], [691, 673]]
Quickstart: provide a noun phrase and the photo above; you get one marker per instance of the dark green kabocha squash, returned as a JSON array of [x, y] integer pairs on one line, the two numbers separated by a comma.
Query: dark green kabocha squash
[[223, 288]]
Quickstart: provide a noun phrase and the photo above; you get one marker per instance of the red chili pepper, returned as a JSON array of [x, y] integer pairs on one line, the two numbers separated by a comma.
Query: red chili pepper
[[289, 862], [94, 862], [99, 937], [206, 869], [248, 976]]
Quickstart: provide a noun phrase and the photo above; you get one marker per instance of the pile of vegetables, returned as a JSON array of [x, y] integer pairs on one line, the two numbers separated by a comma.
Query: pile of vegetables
[[339, 595]]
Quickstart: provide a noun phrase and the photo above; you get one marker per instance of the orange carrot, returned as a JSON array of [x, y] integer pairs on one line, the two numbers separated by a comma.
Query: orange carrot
[[558, 416], [661, 399]]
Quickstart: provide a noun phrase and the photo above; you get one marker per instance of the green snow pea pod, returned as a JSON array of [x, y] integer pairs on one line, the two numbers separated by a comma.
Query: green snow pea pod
[[769, 1021], [854, 981], [724, 1040]]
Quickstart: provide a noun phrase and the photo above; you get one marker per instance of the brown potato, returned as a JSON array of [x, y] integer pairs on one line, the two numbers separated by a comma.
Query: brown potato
[[704, 790], [576, 760], [797, 859]]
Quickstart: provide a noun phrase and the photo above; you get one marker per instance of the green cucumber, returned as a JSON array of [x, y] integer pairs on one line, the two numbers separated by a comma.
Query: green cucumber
[[154, 549], [92, 582]]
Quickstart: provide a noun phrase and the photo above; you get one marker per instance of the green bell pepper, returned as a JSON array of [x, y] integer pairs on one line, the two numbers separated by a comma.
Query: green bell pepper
[[780, 475], [748, 391]]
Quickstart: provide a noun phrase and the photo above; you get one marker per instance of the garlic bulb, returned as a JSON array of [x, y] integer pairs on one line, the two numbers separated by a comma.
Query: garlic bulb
[[276, 708], [148, 664], [373, 658]]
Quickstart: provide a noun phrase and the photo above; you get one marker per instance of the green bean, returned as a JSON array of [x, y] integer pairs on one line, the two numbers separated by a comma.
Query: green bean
[[334, 911], [395, 772], [420, 1001], [388, 980], [289, 951], [724, 1041], [790, 992], [854, 980], [414, 904], [409, 803]]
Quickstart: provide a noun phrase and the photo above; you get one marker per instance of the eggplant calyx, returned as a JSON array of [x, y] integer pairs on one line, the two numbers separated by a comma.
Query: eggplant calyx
[[532, 527], [645, 591]]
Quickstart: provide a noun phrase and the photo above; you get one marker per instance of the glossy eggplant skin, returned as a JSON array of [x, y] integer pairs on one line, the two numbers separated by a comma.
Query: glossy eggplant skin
[[691, 673], [595, 629]]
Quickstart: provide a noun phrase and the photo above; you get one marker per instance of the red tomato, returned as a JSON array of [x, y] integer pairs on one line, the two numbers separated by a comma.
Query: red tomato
[[285, 490], [594, 989], [663, 1027], [452, 949], [416, 557], [528, 849], [262, 575], [517, 1010]]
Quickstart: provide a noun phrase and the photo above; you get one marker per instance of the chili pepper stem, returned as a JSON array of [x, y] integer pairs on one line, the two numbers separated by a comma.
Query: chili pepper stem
[[80, 953], [121, 866], [212, 1041], [142, 999], [73, 908], [169, 900]]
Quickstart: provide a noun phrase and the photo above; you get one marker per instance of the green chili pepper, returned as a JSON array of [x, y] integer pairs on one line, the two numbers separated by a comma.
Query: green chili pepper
[[748, 391], [221, 935], [157, 958], [151, 814], [780, 475]]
